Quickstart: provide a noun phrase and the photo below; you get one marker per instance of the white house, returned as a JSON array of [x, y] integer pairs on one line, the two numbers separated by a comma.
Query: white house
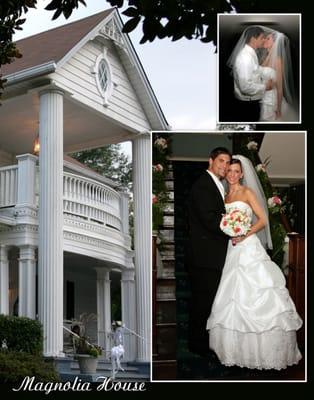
[[63, 228]]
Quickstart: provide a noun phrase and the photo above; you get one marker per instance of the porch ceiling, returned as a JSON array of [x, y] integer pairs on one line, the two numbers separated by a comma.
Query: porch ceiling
[[84, 264], [83, 128]]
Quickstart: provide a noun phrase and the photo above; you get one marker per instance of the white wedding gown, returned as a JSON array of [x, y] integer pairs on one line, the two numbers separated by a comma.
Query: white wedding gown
[[268, 102], [253, 321]]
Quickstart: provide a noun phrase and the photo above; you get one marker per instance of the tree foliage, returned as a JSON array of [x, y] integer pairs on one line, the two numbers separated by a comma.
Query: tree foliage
[[175, 19], [108, 161]]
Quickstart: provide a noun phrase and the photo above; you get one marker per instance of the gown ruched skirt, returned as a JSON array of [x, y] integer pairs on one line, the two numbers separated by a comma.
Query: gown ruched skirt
[[253, 321]]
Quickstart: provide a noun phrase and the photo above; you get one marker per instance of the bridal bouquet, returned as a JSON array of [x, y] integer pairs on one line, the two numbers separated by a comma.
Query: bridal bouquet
[[235, 223]]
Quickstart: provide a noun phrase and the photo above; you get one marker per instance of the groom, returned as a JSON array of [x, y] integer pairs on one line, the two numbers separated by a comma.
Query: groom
[[248, 86], [207, 246]]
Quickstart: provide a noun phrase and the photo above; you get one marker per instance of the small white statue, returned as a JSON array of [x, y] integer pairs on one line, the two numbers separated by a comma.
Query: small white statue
[[117, 351]]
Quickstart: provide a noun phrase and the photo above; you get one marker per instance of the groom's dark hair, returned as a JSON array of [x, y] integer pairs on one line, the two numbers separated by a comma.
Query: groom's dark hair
[[254, 31], [219, 150]]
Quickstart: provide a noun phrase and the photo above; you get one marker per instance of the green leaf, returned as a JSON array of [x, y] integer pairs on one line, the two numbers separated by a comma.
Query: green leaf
[[55, 4], [131, 12], [131, 25]]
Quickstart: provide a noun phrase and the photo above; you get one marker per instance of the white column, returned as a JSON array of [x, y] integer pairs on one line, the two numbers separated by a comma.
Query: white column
[[142, 166], [104, 309], [26, 180], [50, 250], [27, 282], [4, 280], [128, 313]]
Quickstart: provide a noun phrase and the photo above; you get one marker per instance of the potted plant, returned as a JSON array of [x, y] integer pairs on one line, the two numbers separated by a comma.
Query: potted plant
[[86, 353]]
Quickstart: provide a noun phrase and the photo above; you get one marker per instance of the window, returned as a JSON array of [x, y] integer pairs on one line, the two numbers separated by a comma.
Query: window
[[103, 74]]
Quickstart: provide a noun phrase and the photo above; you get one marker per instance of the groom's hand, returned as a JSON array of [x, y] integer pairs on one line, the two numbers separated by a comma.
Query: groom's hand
[[269, 84]]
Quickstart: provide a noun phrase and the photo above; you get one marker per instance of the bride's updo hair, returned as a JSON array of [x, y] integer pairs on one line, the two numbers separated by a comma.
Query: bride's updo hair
[[236, 161]]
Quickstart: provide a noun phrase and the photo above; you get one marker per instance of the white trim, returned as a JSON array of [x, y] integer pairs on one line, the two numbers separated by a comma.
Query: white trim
[[107, 93], [133, 59]]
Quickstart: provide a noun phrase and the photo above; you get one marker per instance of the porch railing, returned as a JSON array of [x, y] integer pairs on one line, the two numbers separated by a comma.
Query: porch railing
[[8, 186]]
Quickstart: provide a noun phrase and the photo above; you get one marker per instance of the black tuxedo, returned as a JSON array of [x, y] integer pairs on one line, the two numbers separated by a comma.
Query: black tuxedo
[[206, 256]]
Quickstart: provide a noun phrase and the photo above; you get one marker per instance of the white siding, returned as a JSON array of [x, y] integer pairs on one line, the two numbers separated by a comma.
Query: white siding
[[76, 77], [6, 158]]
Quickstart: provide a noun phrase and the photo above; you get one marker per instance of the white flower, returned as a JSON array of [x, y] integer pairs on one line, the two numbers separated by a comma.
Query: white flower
[[158, 168], [260, 167], [252, 145], [161, 142]]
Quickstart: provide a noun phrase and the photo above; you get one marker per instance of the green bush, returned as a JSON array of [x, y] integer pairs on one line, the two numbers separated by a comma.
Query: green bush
[[21, 334], [14, 366]]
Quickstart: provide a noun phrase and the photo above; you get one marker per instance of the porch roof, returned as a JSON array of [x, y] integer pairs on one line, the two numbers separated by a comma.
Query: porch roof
[[46, 52], [52, 45]]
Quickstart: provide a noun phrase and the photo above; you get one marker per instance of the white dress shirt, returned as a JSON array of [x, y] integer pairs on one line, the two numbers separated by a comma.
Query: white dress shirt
[[248, 84], [218, 184]]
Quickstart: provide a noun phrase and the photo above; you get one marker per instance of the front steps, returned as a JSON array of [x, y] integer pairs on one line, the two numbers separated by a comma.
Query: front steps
[[133, 372]]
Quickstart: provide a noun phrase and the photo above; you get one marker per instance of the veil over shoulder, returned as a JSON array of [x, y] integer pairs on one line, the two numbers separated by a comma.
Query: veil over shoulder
[[251, 180]]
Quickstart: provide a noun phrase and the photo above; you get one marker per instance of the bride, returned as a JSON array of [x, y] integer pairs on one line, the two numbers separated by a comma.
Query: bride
[[253, 321], [278, 104]]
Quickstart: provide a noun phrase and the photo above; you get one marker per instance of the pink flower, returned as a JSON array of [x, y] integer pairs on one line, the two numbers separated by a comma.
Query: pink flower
[[274, 201], [154, 199]]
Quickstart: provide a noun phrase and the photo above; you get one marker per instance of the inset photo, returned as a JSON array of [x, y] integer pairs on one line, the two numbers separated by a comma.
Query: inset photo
[[259, 57], [229, 256]]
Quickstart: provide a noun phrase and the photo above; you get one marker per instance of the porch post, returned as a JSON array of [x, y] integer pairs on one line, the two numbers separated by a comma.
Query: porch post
[[26, 180], [50, 250], [4, 280], [104, 309], [124, 206], [142, 240], [128, 313], [27, 282]]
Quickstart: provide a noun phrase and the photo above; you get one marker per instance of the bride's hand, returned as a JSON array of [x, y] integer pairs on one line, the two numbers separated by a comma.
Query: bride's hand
[[237, 239]]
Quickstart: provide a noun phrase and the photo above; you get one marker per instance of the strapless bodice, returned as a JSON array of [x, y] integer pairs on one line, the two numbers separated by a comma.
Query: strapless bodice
[[268, 73]]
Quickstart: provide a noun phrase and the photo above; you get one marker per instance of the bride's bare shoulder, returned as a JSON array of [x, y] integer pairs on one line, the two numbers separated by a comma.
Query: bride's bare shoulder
[[248, 191]]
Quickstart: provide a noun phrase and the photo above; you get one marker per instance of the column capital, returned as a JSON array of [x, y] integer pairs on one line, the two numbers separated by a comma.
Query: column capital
[[103, 273], [127, 275], [143, 135], [27, 156], [52, 89], [27, 252], [4, 249]]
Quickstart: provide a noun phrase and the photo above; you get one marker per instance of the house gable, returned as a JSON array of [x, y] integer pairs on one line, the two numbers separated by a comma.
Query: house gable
[[68, 59], [78, 76]]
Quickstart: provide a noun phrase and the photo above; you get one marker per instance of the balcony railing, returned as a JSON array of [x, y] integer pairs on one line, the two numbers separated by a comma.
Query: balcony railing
[[91, 200], [84, 197]]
